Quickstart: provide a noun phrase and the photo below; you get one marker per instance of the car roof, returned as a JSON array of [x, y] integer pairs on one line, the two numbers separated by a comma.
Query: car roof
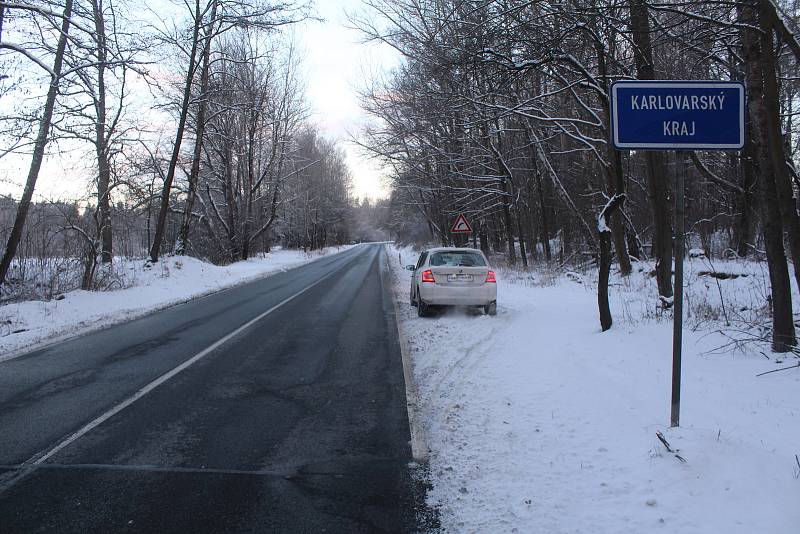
[[453, 249]]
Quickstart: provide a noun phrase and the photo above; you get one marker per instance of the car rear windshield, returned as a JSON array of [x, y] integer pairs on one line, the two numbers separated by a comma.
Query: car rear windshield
[[457, 258]]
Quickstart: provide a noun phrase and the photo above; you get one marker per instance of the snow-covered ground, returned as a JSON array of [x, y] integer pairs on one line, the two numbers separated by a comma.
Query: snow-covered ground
[[24, 325], [538, 422]]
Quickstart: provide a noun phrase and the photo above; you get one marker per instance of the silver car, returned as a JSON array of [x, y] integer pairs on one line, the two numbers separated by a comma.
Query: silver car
[[453, 277]]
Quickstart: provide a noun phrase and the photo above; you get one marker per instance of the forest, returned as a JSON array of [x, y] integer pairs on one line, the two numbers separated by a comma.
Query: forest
[[501, 110]]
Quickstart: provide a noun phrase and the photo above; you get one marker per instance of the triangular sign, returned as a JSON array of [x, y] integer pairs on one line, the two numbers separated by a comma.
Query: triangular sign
[[461, 226]]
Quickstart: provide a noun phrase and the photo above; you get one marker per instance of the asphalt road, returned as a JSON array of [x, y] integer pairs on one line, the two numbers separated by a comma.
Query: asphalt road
[[296, 423]]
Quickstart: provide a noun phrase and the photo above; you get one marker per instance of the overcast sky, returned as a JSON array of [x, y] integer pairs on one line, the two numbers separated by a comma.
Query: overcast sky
[[335, 64]]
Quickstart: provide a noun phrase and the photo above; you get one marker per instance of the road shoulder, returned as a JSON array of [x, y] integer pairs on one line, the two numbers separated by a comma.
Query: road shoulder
[[419, 449]]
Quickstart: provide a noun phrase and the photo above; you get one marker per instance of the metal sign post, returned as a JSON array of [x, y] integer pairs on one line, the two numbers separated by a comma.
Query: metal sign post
[[677, 115], [677, 311]]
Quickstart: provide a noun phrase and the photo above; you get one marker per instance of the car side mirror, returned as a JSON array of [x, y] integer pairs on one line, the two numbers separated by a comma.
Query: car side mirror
[[410, 267]]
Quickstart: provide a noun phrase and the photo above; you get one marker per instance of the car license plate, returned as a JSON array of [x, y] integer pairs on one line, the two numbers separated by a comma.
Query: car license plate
[[459, 278]]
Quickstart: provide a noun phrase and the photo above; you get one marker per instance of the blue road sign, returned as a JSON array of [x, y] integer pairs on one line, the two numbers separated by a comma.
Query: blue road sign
[[668, 115]]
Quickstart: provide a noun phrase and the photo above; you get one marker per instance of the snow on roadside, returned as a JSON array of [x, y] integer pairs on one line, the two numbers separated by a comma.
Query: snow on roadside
[[538, 422], [173, 280]]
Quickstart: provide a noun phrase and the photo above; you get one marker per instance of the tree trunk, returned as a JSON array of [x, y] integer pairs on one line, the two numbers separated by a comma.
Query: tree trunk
[[521, 230], [545, 228], [743, 162], [161, 223], [617, 222], [484, 238], [774, 138], [38, 147], [194, 173], [747, 203], [508, 226], [783, 333], [248, 215], [658, 192], [602, 285], [102, 138], [615, 204], [614, 174]]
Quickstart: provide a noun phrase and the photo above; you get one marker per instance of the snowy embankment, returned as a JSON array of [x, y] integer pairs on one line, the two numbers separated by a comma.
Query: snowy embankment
[[538, 422], [25, 325]]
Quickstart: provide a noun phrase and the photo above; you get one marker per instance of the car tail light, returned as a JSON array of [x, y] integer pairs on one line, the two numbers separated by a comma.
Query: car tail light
[[427, 276], [490, 278]]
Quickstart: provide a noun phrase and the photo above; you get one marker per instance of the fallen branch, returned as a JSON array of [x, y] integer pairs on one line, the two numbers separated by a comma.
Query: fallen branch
[[670, 450], [721, 275], [781, 369]]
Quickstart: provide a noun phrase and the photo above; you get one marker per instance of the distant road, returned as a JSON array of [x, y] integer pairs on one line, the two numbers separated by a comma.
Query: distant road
[[276, 406]]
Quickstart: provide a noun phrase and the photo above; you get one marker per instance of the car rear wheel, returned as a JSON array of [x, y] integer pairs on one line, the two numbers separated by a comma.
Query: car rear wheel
[[423, 310], [490, 309], [413, 299]]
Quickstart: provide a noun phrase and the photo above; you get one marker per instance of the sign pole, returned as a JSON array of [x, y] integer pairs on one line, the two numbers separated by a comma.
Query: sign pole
[[677, 317]]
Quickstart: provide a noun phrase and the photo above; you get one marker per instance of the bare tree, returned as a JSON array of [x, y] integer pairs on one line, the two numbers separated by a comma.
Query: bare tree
[[214, 19], [41, 138]]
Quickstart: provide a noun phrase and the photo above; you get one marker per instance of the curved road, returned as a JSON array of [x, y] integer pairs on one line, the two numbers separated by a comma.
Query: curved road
[[276, 406]]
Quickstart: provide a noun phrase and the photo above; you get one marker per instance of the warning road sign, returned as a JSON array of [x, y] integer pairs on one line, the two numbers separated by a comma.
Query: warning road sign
[[461, 226]]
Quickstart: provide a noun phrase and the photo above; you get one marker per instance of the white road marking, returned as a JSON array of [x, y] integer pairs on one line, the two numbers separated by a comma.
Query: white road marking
[[43, 456]]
